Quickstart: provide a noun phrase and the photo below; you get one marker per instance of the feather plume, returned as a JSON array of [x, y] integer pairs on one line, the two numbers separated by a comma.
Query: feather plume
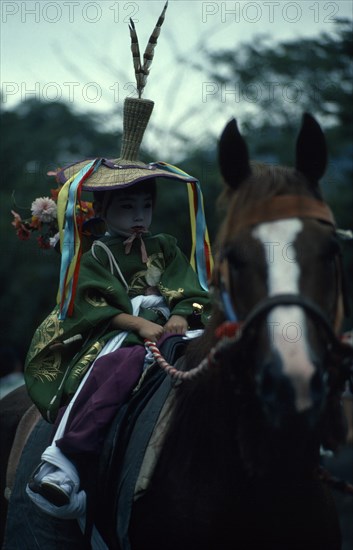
[[136, 57], [142, 71]]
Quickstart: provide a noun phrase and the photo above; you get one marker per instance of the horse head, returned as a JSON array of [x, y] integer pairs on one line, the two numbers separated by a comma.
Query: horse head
[[278, 274]]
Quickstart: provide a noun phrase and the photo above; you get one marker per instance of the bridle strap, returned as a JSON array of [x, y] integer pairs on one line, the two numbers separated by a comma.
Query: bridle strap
[[267, 304], [283, 207], [263, 307]]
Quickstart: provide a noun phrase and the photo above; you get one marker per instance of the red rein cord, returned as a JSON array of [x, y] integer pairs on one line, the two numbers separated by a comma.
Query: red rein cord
[[225, 332]]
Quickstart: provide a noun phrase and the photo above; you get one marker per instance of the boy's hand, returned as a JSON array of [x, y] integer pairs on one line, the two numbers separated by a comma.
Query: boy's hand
[[176, 324], [142, 327], [149, 330]]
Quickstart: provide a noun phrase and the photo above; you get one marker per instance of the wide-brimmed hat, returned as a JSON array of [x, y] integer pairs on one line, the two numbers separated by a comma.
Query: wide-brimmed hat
[[127, 169]]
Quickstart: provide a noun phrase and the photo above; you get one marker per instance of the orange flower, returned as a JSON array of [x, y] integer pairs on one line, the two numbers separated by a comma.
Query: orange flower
[[86, 209], [17, 221]]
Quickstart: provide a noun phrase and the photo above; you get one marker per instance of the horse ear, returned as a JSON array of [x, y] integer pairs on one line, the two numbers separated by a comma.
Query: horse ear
[[311, 150], [233, 155]]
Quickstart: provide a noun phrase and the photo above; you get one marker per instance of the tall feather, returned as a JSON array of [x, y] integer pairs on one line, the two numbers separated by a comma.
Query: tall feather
[[136, 56], [142, 71]]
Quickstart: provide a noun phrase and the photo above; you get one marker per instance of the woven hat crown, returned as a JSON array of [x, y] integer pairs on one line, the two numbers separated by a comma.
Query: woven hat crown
[[136, 115]]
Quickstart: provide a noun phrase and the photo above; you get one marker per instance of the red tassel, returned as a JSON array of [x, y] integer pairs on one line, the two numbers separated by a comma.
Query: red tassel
[[228, 329]]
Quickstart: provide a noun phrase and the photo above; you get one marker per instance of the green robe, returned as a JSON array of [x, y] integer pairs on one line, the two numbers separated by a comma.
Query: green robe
[[52, 377]]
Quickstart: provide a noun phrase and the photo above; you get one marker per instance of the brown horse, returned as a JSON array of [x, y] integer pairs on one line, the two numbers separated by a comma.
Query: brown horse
[[238, 468], [260, 389]]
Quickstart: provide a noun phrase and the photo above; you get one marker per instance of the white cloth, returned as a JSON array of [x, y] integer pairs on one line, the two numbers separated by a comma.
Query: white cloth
[[58, 469]]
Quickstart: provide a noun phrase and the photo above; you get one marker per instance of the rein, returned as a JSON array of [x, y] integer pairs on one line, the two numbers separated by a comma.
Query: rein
[[178, 374], [229, 333]]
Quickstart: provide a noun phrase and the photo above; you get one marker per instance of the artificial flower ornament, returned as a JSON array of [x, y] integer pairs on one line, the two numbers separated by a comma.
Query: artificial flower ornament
[[44, 219], [44, 209]]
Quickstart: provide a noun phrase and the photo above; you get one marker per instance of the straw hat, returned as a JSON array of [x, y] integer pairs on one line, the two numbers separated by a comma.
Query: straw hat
[[128, 169]]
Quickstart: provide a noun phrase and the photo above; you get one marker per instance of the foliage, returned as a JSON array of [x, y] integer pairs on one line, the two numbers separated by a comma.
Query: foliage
[[275, 83]]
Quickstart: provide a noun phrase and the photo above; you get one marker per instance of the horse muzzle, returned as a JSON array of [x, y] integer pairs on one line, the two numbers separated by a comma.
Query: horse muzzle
[[288, 387], [292, 378]]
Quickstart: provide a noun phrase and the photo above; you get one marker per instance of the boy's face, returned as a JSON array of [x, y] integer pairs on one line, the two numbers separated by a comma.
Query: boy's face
[[130, 212]]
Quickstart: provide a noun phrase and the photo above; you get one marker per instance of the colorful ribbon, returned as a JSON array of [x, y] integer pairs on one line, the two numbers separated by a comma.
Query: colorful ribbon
[[201, 257], [70, 237]]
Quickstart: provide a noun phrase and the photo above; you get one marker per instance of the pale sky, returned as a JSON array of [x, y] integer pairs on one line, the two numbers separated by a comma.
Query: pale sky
[[79, 51]]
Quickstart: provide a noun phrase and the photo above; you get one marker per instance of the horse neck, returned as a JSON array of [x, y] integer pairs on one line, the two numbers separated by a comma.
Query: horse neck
[[219, 417], [201, 438]]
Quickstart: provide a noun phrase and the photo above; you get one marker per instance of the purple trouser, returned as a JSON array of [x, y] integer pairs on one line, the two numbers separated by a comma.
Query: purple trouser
[[109, 384]]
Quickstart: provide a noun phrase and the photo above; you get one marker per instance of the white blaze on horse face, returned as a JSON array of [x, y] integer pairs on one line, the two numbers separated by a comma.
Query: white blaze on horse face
[[287, 324]]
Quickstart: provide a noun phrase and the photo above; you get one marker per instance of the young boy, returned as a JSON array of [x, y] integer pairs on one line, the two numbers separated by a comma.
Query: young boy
[[129, 270], [130, 285]]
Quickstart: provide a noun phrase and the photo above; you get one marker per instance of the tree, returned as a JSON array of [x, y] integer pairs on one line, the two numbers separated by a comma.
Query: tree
[[274, 83]]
